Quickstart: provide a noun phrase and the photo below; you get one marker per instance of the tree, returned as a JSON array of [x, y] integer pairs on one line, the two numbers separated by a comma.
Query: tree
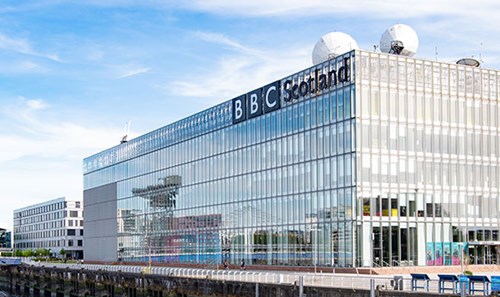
[[28, 253], [42, 252], [62, 252]]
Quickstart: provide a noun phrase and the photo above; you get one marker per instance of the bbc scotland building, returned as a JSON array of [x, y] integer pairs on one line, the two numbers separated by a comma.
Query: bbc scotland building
[[366, 159]]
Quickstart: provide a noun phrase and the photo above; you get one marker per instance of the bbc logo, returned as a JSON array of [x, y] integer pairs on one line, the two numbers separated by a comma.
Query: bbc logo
[[257, 102]]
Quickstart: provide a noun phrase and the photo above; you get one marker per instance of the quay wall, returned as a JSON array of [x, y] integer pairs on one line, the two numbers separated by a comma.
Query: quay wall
[[41, 281]]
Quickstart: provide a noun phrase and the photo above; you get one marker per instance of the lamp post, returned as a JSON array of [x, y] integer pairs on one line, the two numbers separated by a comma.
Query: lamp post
[[462, 281], [149, 246], [461, 245]]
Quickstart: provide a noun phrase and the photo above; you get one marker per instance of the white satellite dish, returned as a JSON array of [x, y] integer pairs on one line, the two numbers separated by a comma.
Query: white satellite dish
[[399, 39], [331, 45]]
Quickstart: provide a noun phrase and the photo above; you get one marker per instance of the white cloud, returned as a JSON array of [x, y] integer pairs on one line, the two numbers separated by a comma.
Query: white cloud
[[18, 45], [14, 66], [41, 153], [128, 70], [134, 71], [36, 104], [452, 25], [370, 8], [23, 46], [224, 40], [247, 68], [26, 132]]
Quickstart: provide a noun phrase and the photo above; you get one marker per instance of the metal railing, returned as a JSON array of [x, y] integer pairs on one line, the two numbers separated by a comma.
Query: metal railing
[[308, 279]]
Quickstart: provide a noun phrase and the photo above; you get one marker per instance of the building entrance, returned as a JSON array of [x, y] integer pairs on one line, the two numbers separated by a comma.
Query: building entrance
[[484, 253]]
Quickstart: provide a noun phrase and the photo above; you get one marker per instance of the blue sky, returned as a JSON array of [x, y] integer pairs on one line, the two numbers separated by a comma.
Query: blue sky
[[72, 73]]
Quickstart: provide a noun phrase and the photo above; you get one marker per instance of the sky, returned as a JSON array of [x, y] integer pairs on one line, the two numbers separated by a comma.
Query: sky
[[73, 73]]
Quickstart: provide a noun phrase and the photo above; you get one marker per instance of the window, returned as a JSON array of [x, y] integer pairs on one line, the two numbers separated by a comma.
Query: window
[[73, 213], [80, 242], [71, 232]]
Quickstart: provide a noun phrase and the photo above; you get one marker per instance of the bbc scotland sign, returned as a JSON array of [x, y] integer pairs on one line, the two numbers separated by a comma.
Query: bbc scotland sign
[[268, 98]]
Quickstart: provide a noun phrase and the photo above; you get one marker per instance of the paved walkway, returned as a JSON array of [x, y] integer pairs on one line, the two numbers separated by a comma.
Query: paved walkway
[[335, 280]]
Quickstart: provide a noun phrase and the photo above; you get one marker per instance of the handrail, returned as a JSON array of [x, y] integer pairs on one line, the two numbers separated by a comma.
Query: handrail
[[278, 277]]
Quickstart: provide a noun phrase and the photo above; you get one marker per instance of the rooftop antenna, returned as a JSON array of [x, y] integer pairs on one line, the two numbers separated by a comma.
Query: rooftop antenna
[[481, 54], [436, 52], [375, 47], [127, 129], [399, 39], [331, 45]]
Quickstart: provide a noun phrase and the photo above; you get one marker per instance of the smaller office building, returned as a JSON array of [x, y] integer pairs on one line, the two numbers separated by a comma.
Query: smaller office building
[[5, 242], [54, 225]]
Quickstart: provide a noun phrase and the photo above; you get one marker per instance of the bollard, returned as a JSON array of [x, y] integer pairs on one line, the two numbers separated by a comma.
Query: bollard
[[372, 287], [464, 285], [301, 286]]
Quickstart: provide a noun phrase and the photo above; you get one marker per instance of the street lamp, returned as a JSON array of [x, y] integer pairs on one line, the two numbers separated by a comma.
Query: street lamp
[[463, 283], [371, 248], [461, 245]]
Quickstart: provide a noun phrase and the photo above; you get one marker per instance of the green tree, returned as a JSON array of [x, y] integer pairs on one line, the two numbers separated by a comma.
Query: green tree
[[42, 252], [62, 252], [28, 253]]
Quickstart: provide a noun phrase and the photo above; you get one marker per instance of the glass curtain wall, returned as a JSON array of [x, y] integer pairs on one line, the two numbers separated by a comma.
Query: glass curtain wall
[[428, 164], [273, 190]]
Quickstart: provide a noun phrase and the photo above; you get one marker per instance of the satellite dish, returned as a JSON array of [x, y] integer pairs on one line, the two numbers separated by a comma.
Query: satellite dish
[[399, 39], [331, 45], [469, 62]]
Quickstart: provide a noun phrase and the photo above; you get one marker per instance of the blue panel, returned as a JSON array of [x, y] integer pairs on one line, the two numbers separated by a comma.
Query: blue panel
[[495, 283]]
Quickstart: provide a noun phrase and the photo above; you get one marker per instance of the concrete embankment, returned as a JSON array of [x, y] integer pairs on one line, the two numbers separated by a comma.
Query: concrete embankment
[[38, 281]]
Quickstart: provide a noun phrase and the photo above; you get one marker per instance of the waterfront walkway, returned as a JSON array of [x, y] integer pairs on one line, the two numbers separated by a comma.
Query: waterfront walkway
[[384, 279]]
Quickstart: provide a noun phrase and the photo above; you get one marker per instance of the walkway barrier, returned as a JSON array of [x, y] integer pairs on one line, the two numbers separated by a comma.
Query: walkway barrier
[[479, 279], [495, 285], [447, 283], [421, 278], [448, 279], [397, 283]]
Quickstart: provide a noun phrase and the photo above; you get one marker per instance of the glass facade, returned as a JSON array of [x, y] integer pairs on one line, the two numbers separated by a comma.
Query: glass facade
[[428, 161], [381, 167]]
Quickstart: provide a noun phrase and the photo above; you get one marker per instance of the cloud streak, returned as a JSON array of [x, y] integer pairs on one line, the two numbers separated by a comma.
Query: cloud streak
[[41, 153], [23, 46], [241, 71], [46, 134], [367, 8], [135, 71], [228, 42]]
